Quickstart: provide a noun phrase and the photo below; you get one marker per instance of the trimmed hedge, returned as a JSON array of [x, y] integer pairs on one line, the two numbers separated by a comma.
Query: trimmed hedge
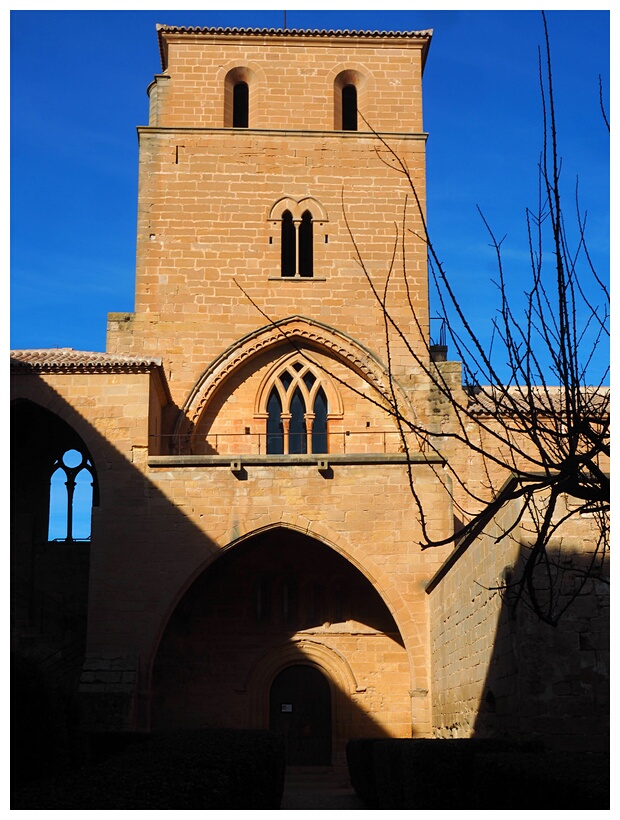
[[45, 718], [411, 773], [201, 769]]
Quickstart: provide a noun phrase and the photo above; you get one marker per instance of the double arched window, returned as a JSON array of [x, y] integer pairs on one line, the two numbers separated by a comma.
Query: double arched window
[[296, 412], [296, 240], [297, 220]]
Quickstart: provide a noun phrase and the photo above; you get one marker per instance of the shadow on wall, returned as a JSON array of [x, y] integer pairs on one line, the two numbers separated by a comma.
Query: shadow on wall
[[130, 593], [278, 601], [551, 683]]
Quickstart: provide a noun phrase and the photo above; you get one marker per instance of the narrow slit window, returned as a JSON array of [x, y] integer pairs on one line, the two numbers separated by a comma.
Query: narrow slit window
[[275, 435], [241, 105], [305, 245], [319, 428], [289, 243], [297, 431], [349, 108]]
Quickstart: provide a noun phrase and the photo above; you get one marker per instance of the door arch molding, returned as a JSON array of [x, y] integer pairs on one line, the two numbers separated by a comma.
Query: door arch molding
[[331, 663]]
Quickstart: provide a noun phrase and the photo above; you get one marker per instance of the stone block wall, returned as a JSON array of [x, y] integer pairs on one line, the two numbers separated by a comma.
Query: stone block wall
[[503, 672], [291, 80]]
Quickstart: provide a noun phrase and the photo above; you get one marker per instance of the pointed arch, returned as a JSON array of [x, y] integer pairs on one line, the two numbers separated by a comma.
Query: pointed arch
[[295, 331], [246, 531]]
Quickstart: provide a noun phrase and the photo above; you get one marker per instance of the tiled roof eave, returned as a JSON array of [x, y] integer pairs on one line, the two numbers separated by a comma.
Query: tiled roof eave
[[74, 361], [163, 29], [291, 32]]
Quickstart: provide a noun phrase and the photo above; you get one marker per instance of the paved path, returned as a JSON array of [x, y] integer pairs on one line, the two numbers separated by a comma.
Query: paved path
[[317, 787]]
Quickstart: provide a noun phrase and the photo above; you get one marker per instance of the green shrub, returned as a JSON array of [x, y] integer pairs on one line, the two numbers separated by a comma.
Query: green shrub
[[201, 769]]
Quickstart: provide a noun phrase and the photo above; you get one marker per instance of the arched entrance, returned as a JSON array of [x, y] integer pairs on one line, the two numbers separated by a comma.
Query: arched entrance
[[300, 711], [283, 600]]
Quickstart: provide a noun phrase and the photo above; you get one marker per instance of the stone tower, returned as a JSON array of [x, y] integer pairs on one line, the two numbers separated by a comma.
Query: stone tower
[[269, 210]]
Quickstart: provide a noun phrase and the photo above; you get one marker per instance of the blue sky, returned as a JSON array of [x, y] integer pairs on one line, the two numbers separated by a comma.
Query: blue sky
[[78, 91]]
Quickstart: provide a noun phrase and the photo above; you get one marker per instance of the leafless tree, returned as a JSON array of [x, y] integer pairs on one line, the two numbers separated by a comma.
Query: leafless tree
[[541, 435]]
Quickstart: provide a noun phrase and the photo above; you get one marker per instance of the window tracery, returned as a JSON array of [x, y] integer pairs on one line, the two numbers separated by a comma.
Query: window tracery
[[297, 411], [71, 497]]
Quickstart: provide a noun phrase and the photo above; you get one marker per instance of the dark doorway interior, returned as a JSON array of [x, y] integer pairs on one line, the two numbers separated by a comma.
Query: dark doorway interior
[[300, 710]]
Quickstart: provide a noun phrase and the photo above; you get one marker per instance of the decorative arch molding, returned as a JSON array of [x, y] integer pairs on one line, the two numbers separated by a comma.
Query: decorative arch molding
[[296, 330], [297, 207], [300, 651], [347, 72], [314, 652]]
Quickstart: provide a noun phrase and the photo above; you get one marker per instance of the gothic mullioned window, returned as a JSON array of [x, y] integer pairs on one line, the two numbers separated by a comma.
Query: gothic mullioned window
[[71, 497], [297, 412]]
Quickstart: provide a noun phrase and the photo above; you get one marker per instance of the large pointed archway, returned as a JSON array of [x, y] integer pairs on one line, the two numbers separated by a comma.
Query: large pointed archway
[[282, 599]]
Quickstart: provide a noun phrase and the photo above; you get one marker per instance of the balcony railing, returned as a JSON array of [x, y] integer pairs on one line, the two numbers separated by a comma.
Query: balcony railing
[[341, 442]]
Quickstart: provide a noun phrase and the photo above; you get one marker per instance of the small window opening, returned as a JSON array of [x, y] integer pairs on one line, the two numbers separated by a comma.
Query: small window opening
[[275, 435], [305, 245], [319, 427], [349, 108], [289, 601], [262, 600], [289, 242], [297, 431], [316, 603], [241, 107]]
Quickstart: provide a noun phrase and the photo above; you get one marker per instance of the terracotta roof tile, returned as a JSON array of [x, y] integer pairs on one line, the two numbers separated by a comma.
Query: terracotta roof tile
[[66, 359], [281, 32], [290, 32]]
